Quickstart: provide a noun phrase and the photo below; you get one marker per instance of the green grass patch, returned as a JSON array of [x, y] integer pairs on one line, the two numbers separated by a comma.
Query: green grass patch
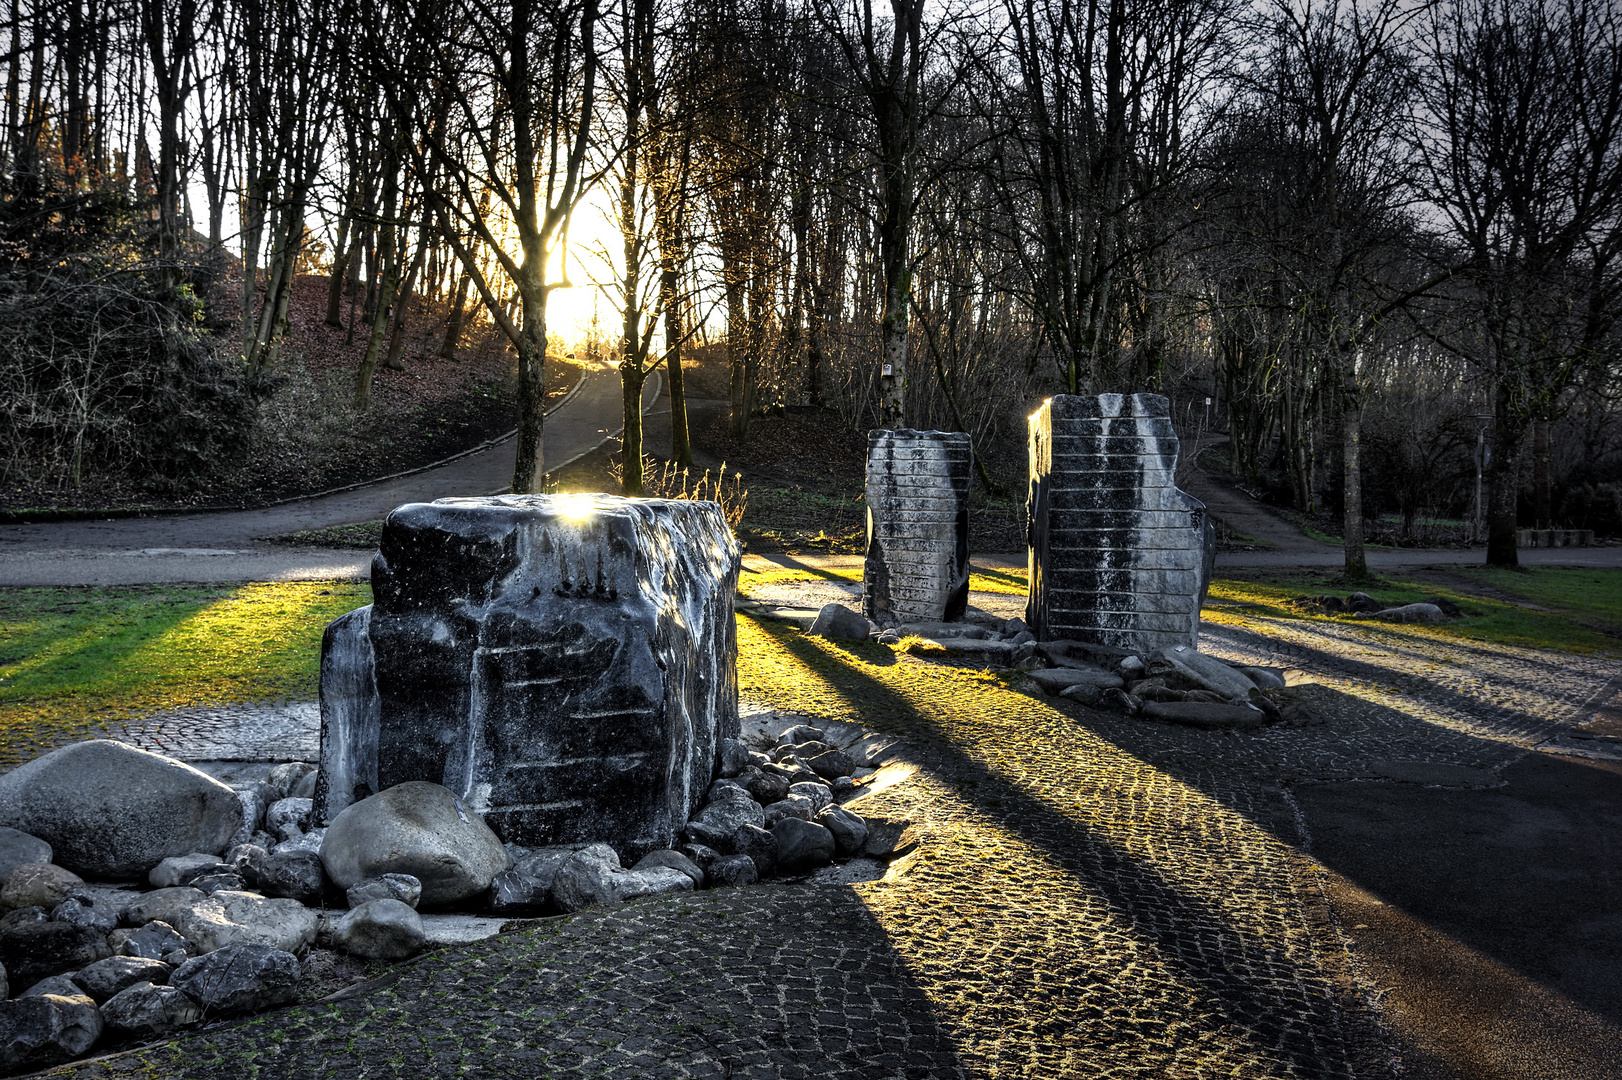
[[73, 658], [1011, 581], [1581, 605]]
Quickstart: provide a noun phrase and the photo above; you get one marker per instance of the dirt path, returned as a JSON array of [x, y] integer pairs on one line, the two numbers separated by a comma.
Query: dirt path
[[230, 546]]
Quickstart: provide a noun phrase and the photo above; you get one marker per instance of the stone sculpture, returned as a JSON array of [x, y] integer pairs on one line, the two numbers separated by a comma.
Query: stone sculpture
[[917, 566], [1119, 557], [564, 664]]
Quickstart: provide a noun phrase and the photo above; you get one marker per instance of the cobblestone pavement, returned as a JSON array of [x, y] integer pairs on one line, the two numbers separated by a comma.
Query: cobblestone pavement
[[278, 731], [1092, 896]]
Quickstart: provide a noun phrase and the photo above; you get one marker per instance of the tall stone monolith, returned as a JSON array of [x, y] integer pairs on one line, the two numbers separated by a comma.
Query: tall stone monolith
[[1119, 556], [917, 567], [565, 664]]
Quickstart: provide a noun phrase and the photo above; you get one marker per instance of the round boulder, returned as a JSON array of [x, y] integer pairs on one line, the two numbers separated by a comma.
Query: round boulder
[[802, 845], [109, 810], [380, 930], [414, 828], [38, 885]]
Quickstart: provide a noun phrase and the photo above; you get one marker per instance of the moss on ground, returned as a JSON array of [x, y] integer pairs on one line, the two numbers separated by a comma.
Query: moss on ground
[[74, 658]]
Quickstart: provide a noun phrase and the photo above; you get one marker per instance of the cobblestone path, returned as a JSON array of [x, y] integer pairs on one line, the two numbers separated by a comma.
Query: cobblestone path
[[1092, 896]]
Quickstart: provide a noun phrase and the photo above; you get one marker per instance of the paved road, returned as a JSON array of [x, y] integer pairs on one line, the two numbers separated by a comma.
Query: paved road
[[230, 546]]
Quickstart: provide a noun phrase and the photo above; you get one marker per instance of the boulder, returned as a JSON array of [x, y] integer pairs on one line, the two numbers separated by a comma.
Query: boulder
[[585, 878], [1192, 668], [667, 859], [653, 881], [287, 776], [182, 869], [401, 887], [831, 763], [801, 751], [820, 795], [701, 855], [564, 663], [305, 788], [840, 623], [766, 787], [162, 905], [734, 757], [16, 848], [109, 810], [46, 1030], [254, 799], [720, 819], [5, 984], [792, 806], [57, 985], [1119, 701], [1057, 679], [385, 929], [849, 830], [295, 875], [1265, 678], [1084, 693], [82, 908], [1362, 603], [241, 977], [310, 842], [33, 950], [153, 941], [209, 884], [800, 734], [1412, 613], [1203, 714], [415, 828], [526, 888], [146, 1010], [105, 978], [289, 818], [733, 870], [38, 885], [802, 845], [758, 844], [230, 918]]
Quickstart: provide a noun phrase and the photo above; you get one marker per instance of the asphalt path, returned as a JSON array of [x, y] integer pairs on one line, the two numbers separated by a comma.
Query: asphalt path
[[232, 546]]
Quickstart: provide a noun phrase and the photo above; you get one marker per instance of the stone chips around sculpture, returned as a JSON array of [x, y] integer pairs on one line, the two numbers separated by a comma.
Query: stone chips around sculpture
[[1119, 557], [917, 567], [565, 664]]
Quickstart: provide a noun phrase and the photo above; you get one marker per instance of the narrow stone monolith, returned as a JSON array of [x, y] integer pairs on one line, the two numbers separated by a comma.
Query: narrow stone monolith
[[565, 664], [1119, 556], [917, 566]]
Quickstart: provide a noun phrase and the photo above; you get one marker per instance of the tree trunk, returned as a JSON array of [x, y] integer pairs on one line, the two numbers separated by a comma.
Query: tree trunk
[[1541, 452], [340, 268], [631, 379], [1351, 421], [402, 305], [380, 318], [1503, 488], [456, 317]]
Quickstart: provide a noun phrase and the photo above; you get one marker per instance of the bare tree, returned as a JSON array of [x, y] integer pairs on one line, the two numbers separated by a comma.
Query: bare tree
[[1520, 133]]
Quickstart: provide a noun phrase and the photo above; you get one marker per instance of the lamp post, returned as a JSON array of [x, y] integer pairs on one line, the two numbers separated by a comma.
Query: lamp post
[[1482, 420]]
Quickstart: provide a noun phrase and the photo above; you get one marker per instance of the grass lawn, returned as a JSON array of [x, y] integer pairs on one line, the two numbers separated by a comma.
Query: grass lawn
[[72, 658], [1544, 607]]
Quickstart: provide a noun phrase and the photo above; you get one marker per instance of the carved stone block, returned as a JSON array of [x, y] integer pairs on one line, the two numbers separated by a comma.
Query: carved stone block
[[1118, 555], [566, 664], [917, 566]]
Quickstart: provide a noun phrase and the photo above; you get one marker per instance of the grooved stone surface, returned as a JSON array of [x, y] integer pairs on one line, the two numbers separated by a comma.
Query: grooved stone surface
[[917, 566], [1118, 555], [565, 664]]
